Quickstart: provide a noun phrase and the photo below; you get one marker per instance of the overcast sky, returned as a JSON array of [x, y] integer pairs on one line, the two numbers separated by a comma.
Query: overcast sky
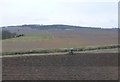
[[96, 13]]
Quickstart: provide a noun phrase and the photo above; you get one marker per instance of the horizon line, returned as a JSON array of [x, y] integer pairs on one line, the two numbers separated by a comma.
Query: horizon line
[[61, 24]]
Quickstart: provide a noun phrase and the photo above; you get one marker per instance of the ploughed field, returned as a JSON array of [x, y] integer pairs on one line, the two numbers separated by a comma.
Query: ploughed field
[[82, 66], [60, 39]]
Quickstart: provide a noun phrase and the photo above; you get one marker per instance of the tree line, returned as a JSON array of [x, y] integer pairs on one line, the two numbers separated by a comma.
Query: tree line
[[6, 34]]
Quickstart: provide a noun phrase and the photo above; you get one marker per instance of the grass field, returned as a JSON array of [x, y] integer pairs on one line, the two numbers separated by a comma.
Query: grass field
[[31, 37], [58, 39]]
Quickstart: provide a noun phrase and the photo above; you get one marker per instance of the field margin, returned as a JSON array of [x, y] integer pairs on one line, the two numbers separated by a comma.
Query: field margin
[[60, 50]]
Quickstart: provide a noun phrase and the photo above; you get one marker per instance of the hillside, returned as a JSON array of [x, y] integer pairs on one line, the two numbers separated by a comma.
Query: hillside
[[57, 36], [6, 34], [25, 29], [54, 26]]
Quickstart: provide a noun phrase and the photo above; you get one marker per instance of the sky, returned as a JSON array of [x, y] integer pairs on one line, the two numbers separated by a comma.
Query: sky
[[91, 13]]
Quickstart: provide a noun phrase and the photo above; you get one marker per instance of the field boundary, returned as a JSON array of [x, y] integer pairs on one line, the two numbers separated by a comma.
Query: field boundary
[[19, 55], [60, 50]]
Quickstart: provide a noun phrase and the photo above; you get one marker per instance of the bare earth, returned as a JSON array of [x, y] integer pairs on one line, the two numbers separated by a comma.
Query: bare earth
[[83, 66]]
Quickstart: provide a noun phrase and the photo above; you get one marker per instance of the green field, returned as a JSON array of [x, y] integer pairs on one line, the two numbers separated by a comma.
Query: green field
[[30, 37], [51, 42]]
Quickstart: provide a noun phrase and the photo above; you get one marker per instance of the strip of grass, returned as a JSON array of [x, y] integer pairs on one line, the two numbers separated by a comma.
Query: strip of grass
[[35, 51], [60, 50]]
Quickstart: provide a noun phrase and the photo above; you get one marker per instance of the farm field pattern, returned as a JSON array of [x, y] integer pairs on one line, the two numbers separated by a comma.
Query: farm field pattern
[[59, 39], [85, 65]]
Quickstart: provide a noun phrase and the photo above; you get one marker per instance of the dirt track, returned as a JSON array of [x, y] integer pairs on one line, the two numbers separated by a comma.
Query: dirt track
[[80, 66]]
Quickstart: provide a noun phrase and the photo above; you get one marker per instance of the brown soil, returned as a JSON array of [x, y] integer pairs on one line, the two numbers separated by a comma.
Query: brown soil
[[62, 67]]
